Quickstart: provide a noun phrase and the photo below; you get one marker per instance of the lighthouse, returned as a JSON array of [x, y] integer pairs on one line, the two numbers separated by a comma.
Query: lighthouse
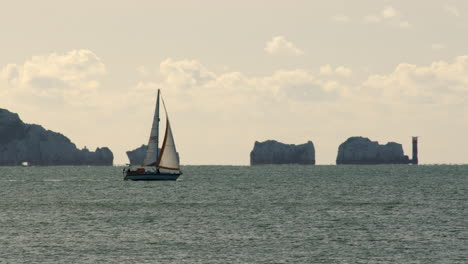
[[415, 151]]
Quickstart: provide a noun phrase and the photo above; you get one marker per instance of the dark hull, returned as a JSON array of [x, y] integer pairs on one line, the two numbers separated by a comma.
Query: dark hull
[[152, 176]]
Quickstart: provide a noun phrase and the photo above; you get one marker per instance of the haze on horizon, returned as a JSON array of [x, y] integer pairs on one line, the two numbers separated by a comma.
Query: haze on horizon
[[233, 72]]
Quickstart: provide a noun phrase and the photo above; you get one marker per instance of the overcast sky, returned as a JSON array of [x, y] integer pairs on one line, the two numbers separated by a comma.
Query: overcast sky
[[233, 72]]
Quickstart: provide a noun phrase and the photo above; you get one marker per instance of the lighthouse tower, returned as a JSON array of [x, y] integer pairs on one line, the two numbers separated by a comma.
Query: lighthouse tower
[[415, 151]]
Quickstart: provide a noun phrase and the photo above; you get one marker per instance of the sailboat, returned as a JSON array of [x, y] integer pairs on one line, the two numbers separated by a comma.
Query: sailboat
[[157, 165]]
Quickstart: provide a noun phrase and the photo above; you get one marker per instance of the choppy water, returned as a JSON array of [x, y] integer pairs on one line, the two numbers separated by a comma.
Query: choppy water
[[223, 214]]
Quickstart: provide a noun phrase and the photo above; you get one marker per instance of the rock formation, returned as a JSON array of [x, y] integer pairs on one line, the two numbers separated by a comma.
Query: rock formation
[[360, 150], [274, 152], [20, 142], [137, 155]]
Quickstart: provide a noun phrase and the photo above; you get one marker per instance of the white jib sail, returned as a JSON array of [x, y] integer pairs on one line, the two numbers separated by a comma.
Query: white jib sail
[[151, 156], [168, 157]]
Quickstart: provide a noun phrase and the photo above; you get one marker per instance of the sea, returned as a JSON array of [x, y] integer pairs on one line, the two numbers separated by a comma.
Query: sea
[[236, 214]]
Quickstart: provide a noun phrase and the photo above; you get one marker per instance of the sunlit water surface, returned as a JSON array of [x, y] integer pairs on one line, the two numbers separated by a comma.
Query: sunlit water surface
[[224, 214]]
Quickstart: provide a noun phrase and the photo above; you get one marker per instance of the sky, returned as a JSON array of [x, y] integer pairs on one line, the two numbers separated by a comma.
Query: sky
[[236, 72]]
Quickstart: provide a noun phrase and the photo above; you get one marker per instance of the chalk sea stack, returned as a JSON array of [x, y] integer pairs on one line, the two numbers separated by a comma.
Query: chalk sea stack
[[274, 152], [20, 142], [137, 155], [361, 150]]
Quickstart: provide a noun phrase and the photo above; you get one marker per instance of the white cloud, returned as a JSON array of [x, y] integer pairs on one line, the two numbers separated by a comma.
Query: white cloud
[[71, 76], [340, 18], [452, 10], [185, 73], [279, 45], [439, 83], [221, 92], [74, 77]]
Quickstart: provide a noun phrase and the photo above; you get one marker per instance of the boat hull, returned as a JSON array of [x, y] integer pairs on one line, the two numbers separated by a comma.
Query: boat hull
[[152, 176]]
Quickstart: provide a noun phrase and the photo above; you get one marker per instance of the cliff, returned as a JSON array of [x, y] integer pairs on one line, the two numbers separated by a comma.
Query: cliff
[[20, 142], [274, 152], [360, 150], [137, 155]]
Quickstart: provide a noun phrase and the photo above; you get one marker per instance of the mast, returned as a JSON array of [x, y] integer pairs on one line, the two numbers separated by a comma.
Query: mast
[[156, 119], [151, 156]]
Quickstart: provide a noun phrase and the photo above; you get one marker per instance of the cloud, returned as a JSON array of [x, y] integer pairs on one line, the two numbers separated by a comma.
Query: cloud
[[279, 45], [71, 76], [185, 73], [297, 85], [439, 83], [74, 78], [198, 87], [452, 10], [390, 16], [340, 18]]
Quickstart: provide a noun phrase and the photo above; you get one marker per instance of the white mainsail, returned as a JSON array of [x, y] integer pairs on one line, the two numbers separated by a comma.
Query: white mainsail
[[168, 158], [151, 156]]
